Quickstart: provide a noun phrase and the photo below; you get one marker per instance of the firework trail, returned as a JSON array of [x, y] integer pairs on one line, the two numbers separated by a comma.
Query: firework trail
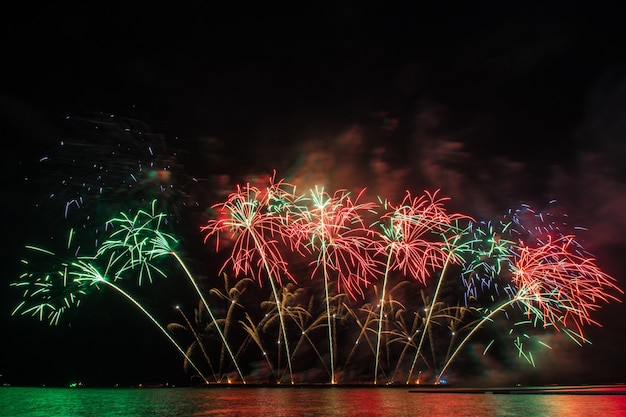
[[254, 220], [303, 316], [332, 227], [410, 239], [138, 241], [419, 237], [172, 327], [231, 296]]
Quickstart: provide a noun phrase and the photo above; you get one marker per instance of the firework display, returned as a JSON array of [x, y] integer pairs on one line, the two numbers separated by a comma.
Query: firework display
[[360, 290]]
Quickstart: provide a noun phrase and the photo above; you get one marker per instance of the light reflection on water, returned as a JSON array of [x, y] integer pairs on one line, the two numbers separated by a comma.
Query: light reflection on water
[[286, 402]]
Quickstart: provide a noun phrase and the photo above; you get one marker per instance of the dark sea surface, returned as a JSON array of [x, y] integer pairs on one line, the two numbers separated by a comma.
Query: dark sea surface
[[236, 401]]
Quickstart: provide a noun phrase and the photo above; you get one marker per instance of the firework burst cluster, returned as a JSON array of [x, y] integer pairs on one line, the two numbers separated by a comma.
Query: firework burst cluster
[[333, 287]]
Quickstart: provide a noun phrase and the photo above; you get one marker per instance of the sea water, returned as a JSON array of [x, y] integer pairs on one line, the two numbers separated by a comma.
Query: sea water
[[301, 402]]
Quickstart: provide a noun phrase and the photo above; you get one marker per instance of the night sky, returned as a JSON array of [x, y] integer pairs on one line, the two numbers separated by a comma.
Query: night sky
[[494, 104]]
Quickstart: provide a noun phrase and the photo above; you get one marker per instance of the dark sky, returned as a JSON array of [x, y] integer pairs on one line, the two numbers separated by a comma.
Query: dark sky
[[495, 104]]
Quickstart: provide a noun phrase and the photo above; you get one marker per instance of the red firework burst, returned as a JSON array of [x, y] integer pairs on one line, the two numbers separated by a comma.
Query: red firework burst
[[561, 285]]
